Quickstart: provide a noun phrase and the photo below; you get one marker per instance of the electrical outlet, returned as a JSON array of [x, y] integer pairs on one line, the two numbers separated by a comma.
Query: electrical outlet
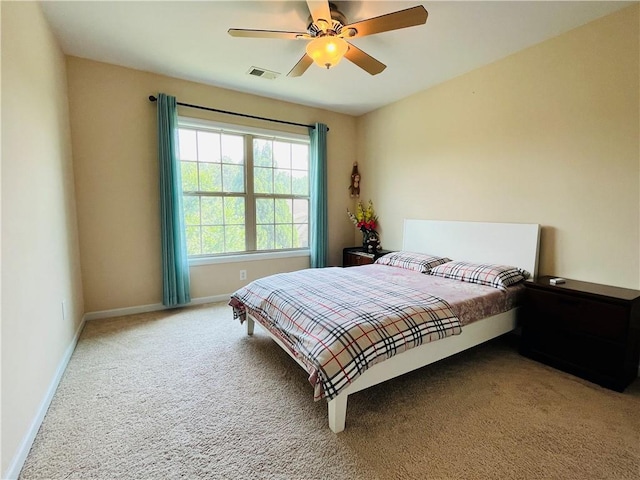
[[243, 274]]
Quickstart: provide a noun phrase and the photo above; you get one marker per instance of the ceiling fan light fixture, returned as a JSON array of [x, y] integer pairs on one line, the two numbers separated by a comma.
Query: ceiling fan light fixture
[[327, 51]]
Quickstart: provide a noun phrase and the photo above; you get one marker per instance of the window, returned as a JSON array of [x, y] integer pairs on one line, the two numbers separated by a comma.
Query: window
[[243, 191]]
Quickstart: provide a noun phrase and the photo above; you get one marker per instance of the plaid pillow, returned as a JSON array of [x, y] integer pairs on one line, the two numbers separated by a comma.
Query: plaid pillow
[[498, 276], [420, 262]]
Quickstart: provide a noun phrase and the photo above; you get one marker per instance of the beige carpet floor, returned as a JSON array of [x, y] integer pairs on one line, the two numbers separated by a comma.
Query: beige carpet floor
[[186, 394]]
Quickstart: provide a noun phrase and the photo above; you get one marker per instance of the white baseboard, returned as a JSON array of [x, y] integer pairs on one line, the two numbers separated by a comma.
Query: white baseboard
[[21, 455], [154, 307]]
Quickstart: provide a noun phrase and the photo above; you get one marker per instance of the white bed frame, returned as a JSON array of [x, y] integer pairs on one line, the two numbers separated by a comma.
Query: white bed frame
[[502, 243]]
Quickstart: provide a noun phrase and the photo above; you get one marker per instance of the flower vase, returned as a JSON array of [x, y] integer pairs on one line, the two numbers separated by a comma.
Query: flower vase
[[370, 241], [365, 238]]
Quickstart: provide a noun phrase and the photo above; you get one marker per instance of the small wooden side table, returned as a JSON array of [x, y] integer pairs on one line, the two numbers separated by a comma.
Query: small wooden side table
[[354, 256], [587, 329]]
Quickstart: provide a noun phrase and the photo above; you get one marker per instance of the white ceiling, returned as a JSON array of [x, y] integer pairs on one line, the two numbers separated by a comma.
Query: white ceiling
[[189, 40]]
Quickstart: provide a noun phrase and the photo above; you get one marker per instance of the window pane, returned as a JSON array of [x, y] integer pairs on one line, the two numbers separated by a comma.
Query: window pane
[[263, 180], [187, 141], [208, 147], [283, 236], [210, 178], [212, 240], [264, 210], [234, 238], [300, 182], [300, 156], [233, 149], [282, 181], [212, 211], [189, 172], [262, 152], [193, 240], [234, 211], [191, 206], [284, 210], [300, 211], [301, 223], [302, 235], [266, 237], [233, 178], [282, 154]]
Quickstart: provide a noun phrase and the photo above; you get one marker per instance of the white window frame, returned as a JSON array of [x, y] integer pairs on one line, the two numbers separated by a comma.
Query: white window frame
[[190, 122]]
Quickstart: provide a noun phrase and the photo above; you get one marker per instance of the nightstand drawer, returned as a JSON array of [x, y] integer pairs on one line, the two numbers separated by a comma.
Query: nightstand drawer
[[360, 259], [355, 256], [581, 315], [578, 354]]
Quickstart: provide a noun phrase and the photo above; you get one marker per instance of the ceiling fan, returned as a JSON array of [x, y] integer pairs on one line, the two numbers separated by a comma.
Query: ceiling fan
[[327, 30]]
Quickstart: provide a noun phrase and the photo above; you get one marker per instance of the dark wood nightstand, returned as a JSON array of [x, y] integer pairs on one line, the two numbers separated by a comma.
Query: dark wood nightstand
[[354, 256], [587, 329]]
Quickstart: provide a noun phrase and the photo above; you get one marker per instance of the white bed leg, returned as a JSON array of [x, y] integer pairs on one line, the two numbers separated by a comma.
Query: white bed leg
[[338, 413], [250, 325]]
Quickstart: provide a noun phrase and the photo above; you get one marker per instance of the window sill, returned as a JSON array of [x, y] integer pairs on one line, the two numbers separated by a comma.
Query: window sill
[[248, 257]]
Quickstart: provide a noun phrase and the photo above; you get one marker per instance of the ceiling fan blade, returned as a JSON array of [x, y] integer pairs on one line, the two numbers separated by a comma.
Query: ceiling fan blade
[[320, 10], [301, 67], [391, 21], [241, 32], [364, 60]]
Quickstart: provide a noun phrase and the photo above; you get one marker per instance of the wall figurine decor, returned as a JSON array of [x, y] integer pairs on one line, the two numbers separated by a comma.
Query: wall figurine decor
[[354, 188]]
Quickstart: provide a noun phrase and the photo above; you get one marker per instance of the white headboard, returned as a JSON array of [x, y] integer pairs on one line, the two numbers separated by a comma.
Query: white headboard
[[513, 244]]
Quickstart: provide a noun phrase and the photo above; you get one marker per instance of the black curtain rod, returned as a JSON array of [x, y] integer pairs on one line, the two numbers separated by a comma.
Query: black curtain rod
[[226, 112]]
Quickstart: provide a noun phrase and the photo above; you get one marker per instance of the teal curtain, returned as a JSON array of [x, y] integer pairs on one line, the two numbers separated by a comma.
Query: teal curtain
[[175, 265], [318, 222]]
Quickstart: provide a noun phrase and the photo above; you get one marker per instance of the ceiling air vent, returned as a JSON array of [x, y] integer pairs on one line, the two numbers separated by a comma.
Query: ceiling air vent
[[263, 73]]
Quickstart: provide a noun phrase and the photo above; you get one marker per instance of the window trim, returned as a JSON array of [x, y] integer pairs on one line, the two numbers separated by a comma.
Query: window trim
[[240, 130], [250, 220], [241, 257]]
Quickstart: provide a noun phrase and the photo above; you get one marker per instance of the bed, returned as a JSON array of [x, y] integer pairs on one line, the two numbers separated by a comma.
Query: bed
[[447, 330]]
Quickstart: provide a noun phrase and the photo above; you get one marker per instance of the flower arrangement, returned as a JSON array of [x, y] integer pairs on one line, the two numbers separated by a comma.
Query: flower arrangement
[[365, 218]]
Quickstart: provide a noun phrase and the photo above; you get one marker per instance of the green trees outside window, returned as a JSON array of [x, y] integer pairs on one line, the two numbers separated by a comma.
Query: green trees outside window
[[243, 192]]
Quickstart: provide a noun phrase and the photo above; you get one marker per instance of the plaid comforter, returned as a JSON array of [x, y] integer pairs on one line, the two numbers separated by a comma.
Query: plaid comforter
[[340, 322]]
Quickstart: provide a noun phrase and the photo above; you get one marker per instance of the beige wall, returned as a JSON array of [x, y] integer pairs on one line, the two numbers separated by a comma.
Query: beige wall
[[40, 261], [549, 135], [114, 143]]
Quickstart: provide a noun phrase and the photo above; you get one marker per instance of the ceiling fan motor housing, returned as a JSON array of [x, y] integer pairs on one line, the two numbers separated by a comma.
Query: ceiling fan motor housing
[[338, 20]]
